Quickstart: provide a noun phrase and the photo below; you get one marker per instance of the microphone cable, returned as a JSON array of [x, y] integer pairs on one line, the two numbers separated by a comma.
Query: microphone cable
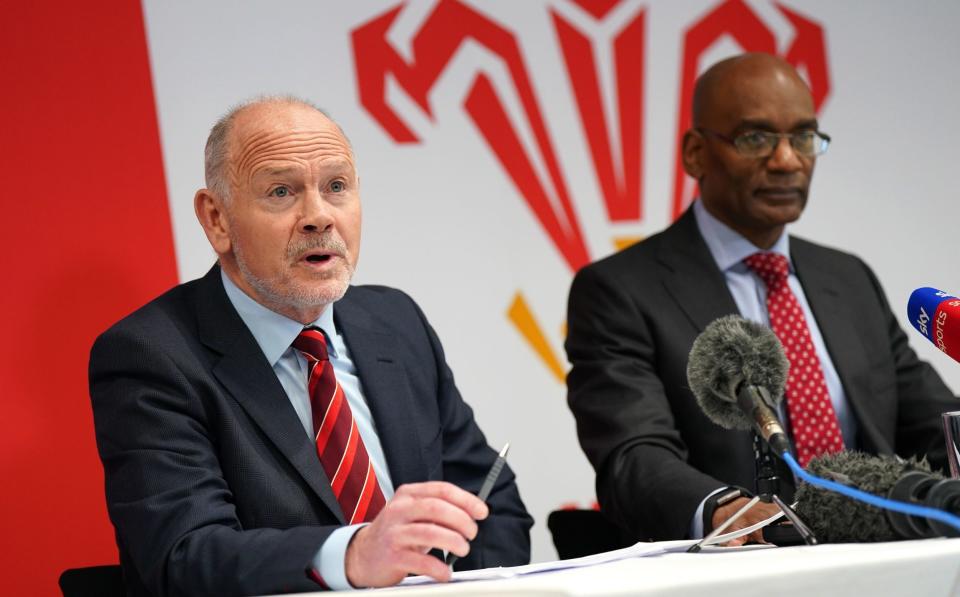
[[877, 501]]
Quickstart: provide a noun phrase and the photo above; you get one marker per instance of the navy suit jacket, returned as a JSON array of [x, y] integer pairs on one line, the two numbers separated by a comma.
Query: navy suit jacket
[[212, 485], [632, 319]]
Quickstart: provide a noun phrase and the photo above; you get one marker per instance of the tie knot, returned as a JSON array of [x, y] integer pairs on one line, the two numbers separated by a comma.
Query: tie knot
[[312, 343], [773, 268]]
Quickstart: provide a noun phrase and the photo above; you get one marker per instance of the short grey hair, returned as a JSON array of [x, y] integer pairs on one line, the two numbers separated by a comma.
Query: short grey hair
[[216, 152]]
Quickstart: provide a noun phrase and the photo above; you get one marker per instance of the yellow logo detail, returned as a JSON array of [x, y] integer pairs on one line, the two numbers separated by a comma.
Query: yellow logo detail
[[522, 318]]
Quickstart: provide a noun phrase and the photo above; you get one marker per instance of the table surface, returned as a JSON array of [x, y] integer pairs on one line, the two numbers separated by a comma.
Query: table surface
[[929, 567]]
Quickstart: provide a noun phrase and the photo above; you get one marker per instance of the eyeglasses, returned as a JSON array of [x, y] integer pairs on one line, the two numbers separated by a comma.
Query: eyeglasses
[[761, 144]]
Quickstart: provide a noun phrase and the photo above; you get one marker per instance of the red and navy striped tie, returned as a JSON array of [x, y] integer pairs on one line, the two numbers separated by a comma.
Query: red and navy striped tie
[[338, 440]]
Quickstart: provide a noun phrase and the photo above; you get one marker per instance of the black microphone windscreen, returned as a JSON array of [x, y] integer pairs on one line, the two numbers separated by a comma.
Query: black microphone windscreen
[[835, 518], [732, 351]]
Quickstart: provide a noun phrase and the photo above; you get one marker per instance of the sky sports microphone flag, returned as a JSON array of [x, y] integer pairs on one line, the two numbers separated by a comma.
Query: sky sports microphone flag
[[936, 315]]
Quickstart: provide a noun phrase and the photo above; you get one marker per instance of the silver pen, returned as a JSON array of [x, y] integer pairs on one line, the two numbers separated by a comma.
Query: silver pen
[[487, 487]]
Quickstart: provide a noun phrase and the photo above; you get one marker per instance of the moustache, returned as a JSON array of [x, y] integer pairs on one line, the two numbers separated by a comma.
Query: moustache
[[326, 242]]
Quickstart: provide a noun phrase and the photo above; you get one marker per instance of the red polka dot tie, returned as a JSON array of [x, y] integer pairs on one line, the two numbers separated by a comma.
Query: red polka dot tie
[[812, 418], [339, 445]]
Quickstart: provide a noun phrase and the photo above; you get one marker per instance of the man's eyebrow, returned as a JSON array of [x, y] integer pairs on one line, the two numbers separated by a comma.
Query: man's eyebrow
[[276, 171], [755, 124], [766, 125], [334, 165], [807, 125], [338, 163]]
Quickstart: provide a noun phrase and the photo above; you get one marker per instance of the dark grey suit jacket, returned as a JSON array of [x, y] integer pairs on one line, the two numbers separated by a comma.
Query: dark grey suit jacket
[[632, 320], [212, 485]]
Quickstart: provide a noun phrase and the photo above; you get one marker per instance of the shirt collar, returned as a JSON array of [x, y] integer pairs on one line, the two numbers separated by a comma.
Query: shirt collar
[[728, 247], [272, 331]]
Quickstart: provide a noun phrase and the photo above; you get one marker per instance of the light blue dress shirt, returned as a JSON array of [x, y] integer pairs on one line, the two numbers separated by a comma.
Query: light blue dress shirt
[[275, 335], [729, 249]]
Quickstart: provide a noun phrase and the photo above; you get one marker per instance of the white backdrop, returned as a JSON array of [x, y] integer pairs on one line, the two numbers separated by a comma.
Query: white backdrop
[[445, 222]]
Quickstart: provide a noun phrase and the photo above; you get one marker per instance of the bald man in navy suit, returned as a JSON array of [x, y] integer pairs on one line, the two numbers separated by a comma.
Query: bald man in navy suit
[[203, 409]]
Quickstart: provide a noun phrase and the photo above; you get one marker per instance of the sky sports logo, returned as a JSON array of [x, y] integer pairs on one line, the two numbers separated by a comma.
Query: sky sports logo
[[930, 311], [921, 323]]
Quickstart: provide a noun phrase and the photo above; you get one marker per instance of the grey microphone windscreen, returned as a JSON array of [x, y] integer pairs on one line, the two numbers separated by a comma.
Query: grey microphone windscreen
[[732, 351], [835, 518]]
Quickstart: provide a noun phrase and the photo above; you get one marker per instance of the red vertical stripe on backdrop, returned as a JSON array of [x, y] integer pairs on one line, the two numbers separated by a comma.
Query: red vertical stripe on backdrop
[[86, 239]]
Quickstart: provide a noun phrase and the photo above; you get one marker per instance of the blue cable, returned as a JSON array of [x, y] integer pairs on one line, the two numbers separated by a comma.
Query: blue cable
[[879, 502]]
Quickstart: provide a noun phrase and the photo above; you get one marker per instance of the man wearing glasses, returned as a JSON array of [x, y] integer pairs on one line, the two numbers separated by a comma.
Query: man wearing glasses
[[664, 471]]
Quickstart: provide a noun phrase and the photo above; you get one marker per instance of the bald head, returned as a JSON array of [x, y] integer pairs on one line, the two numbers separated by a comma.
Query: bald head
[[731, 79], [217, 154]]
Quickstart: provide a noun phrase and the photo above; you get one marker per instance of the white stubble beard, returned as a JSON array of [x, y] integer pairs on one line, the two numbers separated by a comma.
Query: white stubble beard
[[282, 293]]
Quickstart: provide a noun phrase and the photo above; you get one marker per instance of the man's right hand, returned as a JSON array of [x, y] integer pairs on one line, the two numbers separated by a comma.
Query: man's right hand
[[419, 517], [759, 511]]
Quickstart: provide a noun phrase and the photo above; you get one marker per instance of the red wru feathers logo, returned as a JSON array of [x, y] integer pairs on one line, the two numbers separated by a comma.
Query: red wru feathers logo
[[616, 151]]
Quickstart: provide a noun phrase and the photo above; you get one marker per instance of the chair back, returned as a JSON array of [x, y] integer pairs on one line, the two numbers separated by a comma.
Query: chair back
[[92, 581], [579, 533]]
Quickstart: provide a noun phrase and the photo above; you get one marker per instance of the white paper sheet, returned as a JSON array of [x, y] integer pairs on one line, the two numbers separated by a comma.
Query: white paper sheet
[[637, 550]]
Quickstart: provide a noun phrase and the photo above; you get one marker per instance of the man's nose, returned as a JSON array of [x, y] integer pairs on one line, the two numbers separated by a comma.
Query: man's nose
[[317, 215], [784, 157]]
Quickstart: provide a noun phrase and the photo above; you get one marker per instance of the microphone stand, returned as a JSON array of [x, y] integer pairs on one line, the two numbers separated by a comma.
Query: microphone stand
[[768, 488]]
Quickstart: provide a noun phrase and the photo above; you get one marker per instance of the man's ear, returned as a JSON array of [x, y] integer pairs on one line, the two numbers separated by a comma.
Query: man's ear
[[693, 148], [211, 213]]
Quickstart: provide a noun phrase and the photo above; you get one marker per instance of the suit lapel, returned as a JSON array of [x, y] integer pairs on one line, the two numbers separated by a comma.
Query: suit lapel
[[699, 289], [379, 361], [824, 294], [695, 282], [249, 378]]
